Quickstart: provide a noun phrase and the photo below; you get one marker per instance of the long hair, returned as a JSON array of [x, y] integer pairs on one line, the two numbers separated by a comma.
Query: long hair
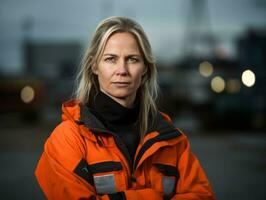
[[148, 90]]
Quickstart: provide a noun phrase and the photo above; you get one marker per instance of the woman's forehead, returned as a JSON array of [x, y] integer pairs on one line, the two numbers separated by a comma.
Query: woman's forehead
[[119, 42]]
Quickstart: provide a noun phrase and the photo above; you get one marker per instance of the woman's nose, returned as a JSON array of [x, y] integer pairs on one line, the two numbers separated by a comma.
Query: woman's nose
[[122, 68]]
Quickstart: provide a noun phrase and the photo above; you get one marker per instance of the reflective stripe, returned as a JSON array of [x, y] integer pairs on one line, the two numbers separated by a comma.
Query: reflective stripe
[[105, 184], [168, 185], [169, 178]]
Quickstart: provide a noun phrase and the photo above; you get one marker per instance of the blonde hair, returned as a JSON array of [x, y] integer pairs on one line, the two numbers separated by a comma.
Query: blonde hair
[[86, 79]]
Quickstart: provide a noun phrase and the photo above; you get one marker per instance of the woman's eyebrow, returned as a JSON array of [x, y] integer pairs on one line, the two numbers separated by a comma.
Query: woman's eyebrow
[[109, 54], [130, 55], [133, 55]]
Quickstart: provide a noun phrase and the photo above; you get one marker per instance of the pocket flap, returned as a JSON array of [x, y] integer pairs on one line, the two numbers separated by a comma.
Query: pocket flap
[[167, 170], [108, 166]]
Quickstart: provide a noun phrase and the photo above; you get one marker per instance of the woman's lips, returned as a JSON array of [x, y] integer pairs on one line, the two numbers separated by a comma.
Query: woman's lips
[[121, 84]]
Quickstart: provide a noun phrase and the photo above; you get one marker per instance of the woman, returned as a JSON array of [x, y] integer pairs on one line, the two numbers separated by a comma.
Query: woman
[[112, 142]]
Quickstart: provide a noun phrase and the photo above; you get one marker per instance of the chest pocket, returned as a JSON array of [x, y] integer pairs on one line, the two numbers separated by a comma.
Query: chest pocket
[[104, 176], [169, 179]]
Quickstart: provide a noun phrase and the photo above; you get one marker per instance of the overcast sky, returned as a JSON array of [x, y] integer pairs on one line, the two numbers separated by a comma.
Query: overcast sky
[[165, 22]]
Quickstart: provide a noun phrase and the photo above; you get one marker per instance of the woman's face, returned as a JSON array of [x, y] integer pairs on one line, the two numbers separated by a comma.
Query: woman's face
[[121, 68]]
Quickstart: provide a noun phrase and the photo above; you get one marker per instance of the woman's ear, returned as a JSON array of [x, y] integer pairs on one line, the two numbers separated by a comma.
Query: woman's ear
[[94, 69]]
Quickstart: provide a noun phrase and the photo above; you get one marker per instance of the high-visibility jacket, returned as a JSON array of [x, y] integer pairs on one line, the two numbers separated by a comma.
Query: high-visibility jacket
[[83, 160]]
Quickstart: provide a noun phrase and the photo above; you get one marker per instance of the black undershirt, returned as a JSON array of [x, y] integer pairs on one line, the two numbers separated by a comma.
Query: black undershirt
[[118, 119]]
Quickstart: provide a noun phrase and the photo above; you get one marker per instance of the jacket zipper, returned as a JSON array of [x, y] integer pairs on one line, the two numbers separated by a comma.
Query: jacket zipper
[[124, 151]]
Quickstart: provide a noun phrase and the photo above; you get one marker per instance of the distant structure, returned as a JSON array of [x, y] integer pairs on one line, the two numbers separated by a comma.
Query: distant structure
[[46, 58], [54, 63], [211, 88], [52, 59], [252, 55], [199, 40]]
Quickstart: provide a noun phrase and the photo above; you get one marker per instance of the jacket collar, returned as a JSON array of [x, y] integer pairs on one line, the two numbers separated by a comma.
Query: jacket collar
[[89, 119]]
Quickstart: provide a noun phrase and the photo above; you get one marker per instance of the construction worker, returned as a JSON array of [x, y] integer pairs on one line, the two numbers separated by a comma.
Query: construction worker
[[113, 143]]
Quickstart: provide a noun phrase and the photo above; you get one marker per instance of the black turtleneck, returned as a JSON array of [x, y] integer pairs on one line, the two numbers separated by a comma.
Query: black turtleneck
[[118, 119]]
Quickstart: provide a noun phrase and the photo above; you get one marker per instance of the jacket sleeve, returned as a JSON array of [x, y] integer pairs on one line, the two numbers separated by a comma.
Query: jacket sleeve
[[192, 183], [63, 151]]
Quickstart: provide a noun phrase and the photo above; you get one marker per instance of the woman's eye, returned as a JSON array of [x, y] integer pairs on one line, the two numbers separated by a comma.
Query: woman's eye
[[133, 60], [110, 59]]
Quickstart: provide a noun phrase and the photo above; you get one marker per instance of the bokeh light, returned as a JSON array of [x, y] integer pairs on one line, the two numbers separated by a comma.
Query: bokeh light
[[233, 85], [248, 78], [206, 69], [27, 94], [217, 84]]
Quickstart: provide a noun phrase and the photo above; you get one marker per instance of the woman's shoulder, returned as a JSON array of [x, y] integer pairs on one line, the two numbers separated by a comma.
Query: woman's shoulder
[[64, 133], [174, 126], [66, 127]]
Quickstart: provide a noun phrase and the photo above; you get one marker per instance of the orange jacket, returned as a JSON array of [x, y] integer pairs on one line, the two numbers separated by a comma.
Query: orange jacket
[[83, 160]]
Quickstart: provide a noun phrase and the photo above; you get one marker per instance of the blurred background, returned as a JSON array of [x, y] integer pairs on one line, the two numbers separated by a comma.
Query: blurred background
[[211, 58]]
